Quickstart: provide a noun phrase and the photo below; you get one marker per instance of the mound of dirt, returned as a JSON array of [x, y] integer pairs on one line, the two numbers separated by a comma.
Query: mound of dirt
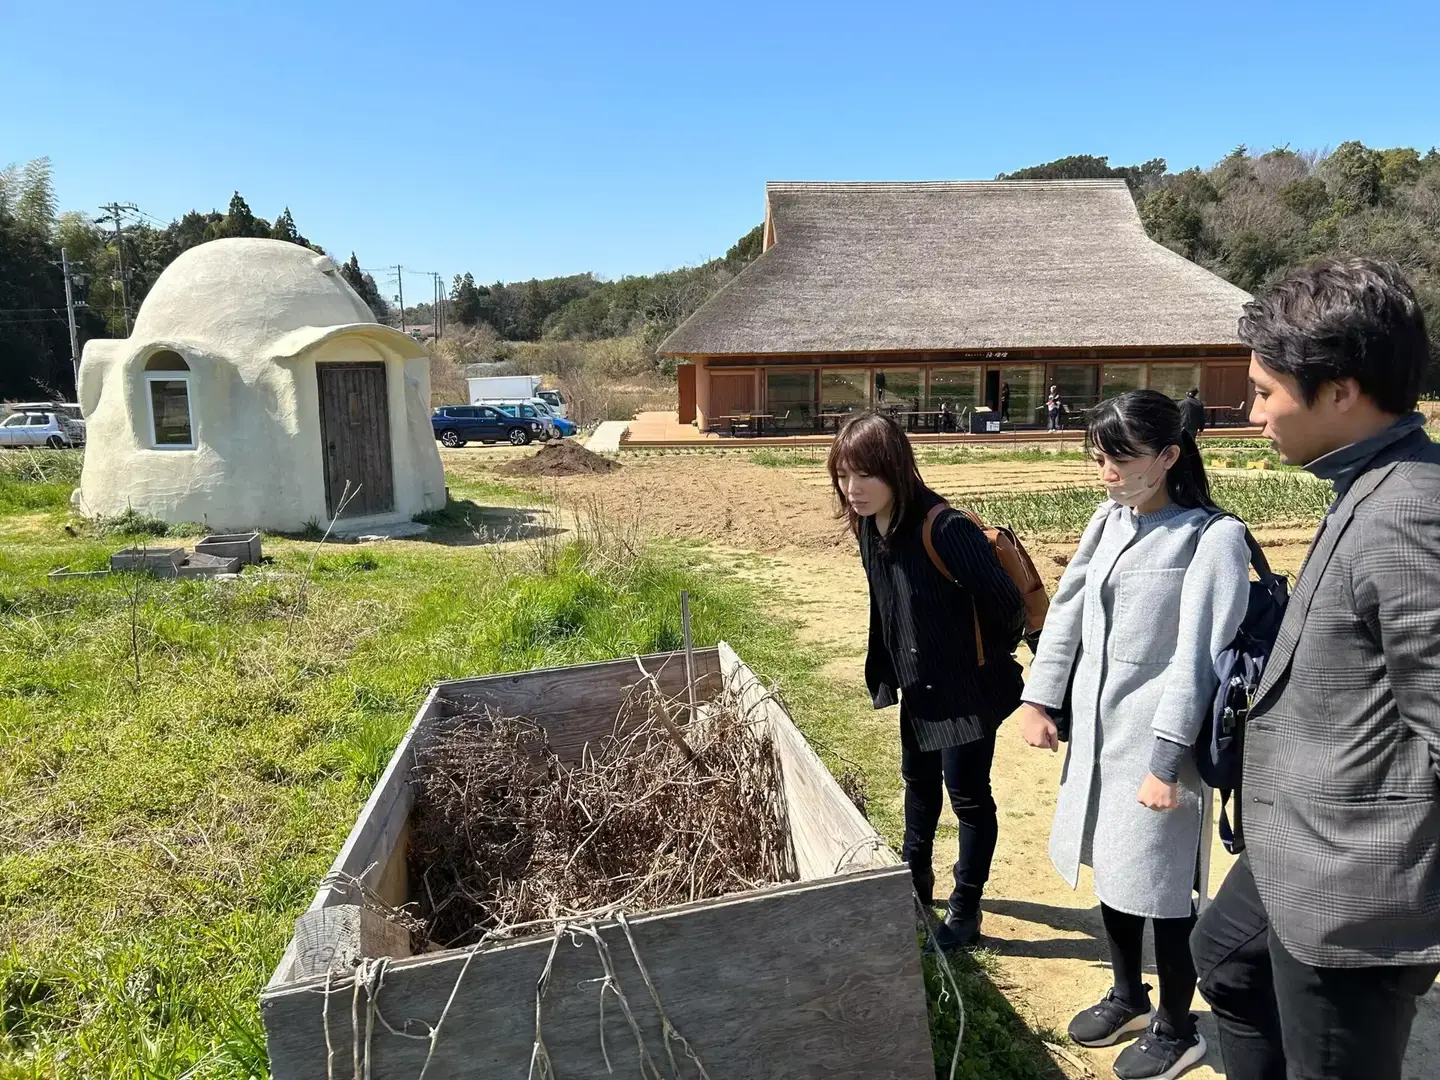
[[564, 458]]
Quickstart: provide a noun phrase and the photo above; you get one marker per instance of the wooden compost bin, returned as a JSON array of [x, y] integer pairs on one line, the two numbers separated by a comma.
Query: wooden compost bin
[[817, 977]]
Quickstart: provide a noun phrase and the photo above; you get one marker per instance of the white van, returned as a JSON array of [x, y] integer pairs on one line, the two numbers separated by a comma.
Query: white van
[[556, 400]]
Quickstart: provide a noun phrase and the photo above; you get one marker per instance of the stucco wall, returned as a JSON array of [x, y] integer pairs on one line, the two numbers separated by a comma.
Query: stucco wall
[[258, 459]]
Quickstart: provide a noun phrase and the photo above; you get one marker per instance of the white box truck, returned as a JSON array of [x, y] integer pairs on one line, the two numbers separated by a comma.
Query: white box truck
[[492, 388], [495, 387]]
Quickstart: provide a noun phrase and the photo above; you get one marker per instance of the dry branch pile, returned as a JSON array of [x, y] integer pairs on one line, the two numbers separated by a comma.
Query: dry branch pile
[[503, 833]]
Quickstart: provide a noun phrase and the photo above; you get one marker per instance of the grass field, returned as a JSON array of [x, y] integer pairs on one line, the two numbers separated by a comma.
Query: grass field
[[182, 759]]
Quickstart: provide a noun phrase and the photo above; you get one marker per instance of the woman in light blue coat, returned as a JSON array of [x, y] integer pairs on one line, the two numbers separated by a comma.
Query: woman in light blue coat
[[1156, 590]]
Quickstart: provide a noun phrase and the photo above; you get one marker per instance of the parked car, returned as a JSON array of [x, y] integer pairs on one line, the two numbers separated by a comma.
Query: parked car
[[562, 426], [455, 425], [529, 408], [47, 428]]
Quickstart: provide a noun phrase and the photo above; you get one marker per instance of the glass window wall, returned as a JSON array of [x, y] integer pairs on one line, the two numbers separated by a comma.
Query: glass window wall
[[1175, 380], [1116, 379], [1079, 386], [790, 399], [1026, 400], [844, 390]]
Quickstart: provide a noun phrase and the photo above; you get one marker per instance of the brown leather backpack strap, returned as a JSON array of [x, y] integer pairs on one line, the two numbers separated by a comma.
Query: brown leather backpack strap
[[927, 536]]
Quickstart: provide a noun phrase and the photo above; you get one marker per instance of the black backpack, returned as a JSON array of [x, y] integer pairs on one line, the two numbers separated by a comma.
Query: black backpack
[[1220, 747]]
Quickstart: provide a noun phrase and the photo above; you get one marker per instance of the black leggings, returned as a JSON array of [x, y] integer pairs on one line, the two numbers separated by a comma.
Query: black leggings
[[1126, 934], [963, 771]]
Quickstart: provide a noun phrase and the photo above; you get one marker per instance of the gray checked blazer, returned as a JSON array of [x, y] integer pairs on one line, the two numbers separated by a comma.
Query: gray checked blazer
[[1341, 791]]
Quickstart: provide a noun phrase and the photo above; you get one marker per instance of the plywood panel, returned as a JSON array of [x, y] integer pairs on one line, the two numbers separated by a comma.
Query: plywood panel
[[803, 981], [828, 834]]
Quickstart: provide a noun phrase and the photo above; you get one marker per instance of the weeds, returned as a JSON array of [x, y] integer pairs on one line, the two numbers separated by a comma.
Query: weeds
[[130, 522]]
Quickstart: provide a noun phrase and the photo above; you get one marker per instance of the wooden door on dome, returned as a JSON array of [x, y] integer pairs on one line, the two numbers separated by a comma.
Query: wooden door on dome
[[355, 439]]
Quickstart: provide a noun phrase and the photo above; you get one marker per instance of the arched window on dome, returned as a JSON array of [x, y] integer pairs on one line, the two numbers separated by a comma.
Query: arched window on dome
[[167, 391]]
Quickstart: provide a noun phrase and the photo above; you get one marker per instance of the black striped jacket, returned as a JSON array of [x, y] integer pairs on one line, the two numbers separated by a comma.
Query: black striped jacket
[[922, 629]]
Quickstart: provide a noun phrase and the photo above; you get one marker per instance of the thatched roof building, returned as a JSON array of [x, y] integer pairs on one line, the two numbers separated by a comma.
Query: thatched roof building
[[1026, 276]]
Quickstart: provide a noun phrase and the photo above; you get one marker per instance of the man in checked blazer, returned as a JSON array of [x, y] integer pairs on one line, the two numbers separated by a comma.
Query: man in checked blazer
[[1326, 931]]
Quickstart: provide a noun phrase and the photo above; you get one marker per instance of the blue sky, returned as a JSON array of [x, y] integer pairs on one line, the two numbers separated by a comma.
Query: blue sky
[[534, 139]]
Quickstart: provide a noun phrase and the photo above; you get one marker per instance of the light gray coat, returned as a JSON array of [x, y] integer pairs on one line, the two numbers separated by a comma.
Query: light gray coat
[[1143, 609]]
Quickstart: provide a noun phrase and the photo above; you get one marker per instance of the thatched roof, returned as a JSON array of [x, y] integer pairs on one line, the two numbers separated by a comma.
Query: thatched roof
[[1011, 264]]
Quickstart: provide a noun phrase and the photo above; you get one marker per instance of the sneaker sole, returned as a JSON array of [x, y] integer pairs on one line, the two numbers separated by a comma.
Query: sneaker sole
[[1188, 1060], [1130, 1027]]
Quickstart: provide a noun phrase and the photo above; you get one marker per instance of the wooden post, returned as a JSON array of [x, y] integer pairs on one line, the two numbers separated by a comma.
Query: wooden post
[[689, 651], [338, 937]]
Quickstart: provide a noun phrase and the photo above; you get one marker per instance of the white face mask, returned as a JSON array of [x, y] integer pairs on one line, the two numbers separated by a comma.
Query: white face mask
[[1133, 491]]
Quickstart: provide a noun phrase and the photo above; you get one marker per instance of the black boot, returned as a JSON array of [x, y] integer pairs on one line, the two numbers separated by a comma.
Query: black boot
[[962, 930]]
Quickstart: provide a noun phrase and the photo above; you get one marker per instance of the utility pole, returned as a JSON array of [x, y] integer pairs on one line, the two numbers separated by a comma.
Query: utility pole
[[70, 312], [400, 285], [439, 305], [115, 210]]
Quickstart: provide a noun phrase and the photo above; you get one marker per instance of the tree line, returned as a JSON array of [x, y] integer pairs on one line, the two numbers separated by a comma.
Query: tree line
[[1252, 216], [1247, 218], [583, 307], [110, 277]]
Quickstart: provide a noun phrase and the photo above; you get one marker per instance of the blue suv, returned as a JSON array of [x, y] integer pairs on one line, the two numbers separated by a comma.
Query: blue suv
[[455, 425]]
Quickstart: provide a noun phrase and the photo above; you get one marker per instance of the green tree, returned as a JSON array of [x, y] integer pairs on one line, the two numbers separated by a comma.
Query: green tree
[[365, 285], [1399, 168], [465, 305], [747, 249], [239, 221], [284, 228], [1141, 178], [1354, 173], [1307, 199], [1173, 220]]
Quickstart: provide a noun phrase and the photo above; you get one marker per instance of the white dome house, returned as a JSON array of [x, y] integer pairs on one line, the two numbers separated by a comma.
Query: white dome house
[[257, 391]]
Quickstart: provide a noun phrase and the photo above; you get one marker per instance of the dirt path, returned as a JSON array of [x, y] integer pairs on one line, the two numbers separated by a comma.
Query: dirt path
[[773, 526]]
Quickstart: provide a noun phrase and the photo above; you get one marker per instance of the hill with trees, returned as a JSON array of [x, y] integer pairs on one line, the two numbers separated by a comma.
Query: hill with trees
[[1247, 218], [586, 308]]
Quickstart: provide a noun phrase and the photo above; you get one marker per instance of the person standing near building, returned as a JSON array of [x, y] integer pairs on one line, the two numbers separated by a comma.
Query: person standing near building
[[1192, 413], [1156, 590], [1055, 407], [1005, 403], [1327, 929], [946, 648]]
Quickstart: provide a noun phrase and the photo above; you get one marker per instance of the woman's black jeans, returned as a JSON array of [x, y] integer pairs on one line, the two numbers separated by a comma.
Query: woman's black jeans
[[963, 771]]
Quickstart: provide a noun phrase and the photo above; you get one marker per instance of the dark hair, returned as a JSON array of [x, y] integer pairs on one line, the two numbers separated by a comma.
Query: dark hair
[[1342, 319], [1140, 422], [1194, 391], [874, 444]]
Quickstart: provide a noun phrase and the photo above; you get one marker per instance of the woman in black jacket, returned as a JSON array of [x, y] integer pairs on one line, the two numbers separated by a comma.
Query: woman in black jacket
[[945, 647]]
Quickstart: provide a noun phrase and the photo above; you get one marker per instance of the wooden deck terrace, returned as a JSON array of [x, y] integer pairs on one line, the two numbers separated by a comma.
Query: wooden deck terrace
[[663, 430]]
